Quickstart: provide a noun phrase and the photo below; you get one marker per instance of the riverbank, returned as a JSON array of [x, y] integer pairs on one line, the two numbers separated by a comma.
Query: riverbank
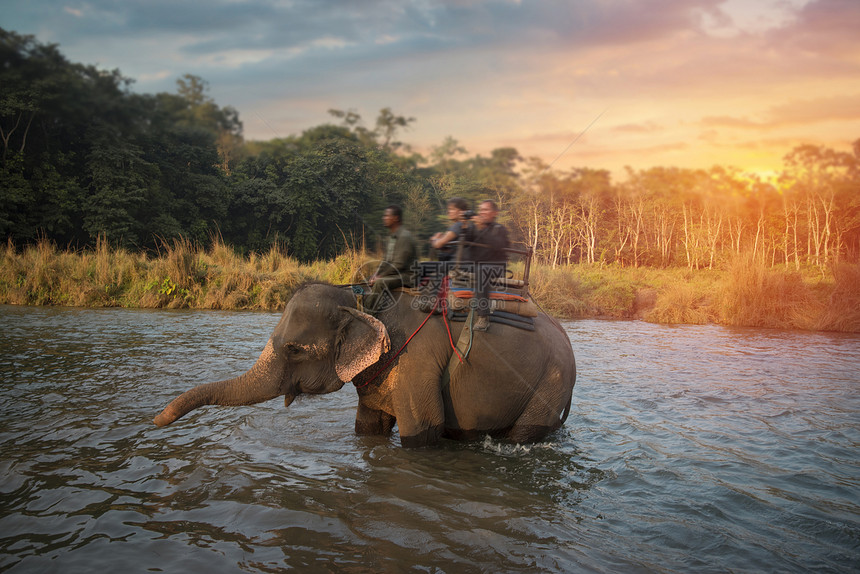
[[183, 275], [747, 294]]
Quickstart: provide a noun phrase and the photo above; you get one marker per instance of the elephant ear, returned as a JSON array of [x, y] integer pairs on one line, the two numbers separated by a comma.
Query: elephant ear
[[361, 340]]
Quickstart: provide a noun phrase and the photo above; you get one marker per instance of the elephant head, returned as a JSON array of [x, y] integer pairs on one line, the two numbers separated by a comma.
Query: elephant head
[[319, 344]]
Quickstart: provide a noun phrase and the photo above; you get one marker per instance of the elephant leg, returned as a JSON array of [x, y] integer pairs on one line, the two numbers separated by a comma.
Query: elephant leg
[[545, 412], [420, 413], [370, 421], [424, 437]]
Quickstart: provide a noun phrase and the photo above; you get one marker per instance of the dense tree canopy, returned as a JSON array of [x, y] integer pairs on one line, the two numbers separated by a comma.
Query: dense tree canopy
[[84, 157]]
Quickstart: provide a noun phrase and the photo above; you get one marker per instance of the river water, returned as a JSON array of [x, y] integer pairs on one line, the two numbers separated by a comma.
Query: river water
[[688, 448]]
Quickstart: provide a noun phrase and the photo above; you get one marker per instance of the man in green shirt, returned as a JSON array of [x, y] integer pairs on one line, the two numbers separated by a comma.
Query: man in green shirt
[[396, 269]]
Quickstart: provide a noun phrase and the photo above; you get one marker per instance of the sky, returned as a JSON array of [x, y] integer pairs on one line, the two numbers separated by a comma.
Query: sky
[[602, 84]]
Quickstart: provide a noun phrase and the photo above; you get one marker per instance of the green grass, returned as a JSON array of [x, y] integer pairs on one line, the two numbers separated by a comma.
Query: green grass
[[184, 275]]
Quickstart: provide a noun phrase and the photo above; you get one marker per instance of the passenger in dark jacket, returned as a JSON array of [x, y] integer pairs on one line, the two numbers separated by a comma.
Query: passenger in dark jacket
[[441, 242], [486, 240]]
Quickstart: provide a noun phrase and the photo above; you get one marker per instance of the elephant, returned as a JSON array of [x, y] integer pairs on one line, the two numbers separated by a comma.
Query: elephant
[[514, 385]]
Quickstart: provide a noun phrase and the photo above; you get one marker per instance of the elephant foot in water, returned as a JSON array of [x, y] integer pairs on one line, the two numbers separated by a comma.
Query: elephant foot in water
[[369, 422], [425, 437]]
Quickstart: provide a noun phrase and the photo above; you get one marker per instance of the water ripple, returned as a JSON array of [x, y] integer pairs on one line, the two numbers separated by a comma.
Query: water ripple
[[688, 448]]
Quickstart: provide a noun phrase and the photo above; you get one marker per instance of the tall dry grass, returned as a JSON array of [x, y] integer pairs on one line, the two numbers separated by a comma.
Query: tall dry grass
[[748, 293], [591, 290], [655, 295], [43, 275], [841, 308], [755, 295], [684, 297], [682, 303], [558, 291], [183, 274]]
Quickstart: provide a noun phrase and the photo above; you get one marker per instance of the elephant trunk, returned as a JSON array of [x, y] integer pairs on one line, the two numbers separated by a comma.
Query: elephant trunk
[[261, 383]]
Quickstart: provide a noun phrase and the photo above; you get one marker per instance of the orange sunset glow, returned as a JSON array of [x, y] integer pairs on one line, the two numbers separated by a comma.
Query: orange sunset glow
[[713, 145], [673, 83]]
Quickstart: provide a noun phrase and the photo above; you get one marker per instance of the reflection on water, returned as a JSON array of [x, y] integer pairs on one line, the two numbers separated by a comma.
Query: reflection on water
[[688, 448]]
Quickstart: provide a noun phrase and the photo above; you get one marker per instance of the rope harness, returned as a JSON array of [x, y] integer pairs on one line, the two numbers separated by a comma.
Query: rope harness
[[464, 343], [465, 340], [441, 297]]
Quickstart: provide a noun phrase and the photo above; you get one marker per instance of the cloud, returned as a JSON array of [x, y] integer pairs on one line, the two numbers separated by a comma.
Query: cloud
[[159, 75], [730, 122], [643, 128], [824, 27], [491, 72], [835, 108], [607, 45], [795, 112]]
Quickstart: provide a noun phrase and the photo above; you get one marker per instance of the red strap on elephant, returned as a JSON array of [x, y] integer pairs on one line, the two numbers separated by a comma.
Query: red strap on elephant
[[442, 296], [445, 320]]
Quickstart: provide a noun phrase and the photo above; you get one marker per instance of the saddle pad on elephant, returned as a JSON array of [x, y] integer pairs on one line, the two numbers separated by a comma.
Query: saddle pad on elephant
[[499, 295], [518, 321], [507, 302]]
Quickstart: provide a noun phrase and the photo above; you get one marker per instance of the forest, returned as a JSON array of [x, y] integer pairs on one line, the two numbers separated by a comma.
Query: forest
[[87, 162], [84, 156]]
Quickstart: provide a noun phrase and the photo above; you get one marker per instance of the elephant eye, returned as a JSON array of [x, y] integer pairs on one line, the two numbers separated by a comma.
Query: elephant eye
[[293, 350]]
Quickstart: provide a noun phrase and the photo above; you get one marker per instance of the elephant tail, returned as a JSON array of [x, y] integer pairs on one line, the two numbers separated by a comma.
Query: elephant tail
[[566, 411]]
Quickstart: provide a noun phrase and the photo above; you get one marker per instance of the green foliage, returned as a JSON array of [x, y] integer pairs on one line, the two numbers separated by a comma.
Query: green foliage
[[167, 287], [84, 159], [307, 193], [82, 156]]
